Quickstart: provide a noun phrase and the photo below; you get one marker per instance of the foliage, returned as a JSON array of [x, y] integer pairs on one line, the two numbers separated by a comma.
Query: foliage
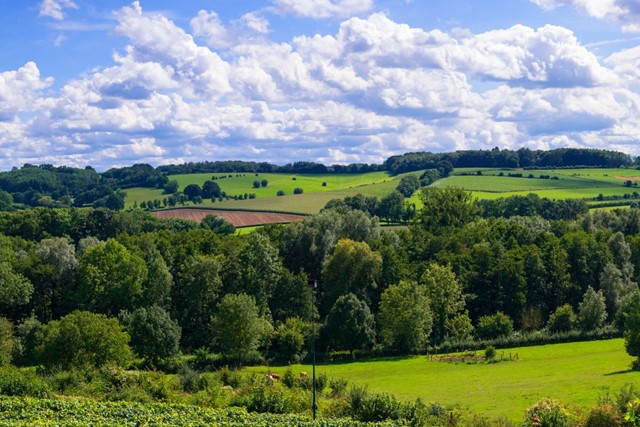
[[632, 325], [405, 318], [154, 335], [17, 382], [408, 185], [603, 416], [289, 338], [237, 326], [548, 413], [350, 324], [446, 302], [494, 326], [446, 207], [111, 278], [7, 343], [562, 320], [27, 412], [217, 224], [592, 311], [84, 339], [490, 353]]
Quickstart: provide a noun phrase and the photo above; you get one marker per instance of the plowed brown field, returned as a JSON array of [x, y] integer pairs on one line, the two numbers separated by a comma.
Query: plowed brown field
[[237, 218]]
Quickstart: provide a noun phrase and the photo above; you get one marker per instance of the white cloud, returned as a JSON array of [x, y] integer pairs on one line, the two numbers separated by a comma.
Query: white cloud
[[20, 90], [55, 8], [626, 13], [323, 8], [372, 89]]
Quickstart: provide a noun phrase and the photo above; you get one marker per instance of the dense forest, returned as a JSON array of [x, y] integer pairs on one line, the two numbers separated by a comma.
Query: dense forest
[[452, 277], [51, 186]]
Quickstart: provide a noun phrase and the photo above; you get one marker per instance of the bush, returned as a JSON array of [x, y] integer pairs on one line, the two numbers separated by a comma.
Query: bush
[[298, 190], [496, 326], [603, 416], [562, 320], [490, 353], [548, 413], [16, 382], [338, 386], [280, 193]]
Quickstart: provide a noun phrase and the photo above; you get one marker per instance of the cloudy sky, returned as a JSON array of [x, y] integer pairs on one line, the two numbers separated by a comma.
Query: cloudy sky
[[87, 82]]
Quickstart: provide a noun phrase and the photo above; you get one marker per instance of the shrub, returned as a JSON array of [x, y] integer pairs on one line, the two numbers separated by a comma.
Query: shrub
[[264, 183], [256, 184], [490, 353], [338, 386], [495, 326], [603, 416], [16, 382], [324, 184], [298, 190], [548, 413], [592, 311], [562, 320], [280, 193]]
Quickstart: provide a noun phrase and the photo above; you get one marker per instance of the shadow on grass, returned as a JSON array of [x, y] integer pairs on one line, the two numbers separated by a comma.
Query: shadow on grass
[[626, 371]]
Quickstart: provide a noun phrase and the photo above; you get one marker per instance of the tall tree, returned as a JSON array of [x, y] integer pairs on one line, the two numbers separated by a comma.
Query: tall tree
[[446, 207], [405, 318], [350, 324]]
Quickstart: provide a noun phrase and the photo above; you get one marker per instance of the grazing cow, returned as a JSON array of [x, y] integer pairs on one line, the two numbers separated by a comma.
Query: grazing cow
[[303, 374], [275, 376]]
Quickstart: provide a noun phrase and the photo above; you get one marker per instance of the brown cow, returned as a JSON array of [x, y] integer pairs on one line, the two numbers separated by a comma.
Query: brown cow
[[303, 374]]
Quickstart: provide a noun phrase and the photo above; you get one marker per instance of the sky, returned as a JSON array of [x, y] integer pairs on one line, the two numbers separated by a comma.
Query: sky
[[113, 83]]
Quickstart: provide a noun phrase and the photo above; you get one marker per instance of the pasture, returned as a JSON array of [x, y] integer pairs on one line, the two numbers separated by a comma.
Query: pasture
[[575, 374]]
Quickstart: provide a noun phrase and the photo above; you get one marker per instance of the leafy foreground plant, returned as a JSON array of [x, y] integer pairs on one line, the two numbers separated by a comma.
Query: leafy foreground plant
[[27, 412]]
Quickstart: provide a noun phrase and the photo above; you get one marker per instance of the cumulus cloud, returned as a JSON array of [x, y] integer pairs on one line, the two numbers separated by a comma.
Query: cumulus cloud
[[55, 8], [323, 8], [626, 13], [20, 90], [371, 89]]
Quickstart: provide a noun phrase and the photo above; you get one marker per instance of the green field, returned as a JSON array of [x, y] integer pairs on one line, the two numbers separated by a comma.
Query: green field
[[314, 197], [576, 374]]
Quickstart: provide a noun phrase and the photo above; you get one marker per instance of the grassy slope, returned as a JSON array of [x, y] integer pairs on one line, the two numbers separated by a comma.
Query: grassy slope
[[575, 374]]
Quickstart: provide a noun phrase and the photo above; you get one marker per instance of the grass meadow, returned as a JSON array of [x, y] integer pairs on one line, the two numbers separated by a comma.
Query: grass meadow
[[576, 374]]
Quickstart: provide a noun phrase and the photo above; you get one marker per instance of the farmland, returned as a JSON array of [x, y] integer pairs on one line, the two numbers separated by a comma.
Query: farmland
[[575, 374]]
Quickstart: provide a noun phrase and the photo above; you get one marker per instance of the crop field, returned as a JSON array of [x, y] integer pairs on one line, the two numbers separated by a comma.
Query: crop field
[[28, 412], [575, 374]]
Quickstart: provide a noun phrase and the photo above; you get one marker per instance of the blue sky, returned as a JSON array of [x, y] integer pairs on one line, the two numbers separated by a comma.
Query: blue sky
[[337, 81]]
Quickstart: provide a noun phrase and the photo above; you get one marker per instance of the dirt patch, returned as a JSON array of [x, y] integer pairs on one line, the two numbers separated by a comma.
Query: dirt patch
[[629, 178], [237, 218]]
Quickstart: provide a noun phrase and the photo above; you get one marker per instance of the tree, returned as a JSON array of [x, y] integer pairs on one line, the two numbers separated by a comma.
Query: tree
[[289, 339], [194, 296], [111, 278], [592, 311], [408, 185], [350, 324], [495, 326], [15, 290], [405, 318], [54, 276], [353, 267], [114, 201], [562, 320], [192, 191], [82, 339], [391, 207], [158, 283], [256, 184], [298, 190], [6, 201], [238, 329], [217, 224], [154, 334], [211, 190], [631, 321], [445, 298], [291, 297], [7, 342], [446, 207], [264, 183], [171, 187]]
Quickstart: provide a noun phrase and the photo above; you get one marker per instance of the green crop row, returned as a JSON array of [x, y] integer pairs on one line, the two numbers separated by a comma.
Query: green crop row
[[30, 412]]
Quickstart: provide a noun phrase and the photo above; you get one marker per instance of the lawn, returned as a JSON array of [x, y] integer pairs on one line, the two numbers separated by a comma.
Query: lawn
[[576, 374]]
